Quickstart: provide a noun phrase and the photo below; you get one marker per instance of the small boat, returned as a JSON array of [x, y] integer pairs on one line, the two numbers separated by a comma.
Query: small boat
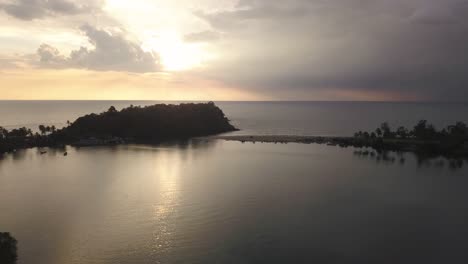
[[43, 152], [65, 154]]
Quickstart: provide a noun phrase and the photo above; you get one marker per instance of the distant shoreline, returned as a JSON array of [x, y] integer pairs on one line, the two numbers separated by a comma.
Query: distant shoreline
[[280, 138], [425, 147]]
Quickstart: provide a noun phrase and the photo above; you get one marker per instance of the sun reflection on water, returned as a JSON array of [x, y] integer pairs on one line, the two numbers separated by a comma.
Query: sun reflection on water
[[167, 168]]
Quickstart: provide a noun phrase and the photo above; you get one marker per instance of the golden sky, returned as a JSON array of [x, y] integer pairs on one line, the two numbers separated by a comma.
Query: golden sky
[[233, 49], [70, 84]]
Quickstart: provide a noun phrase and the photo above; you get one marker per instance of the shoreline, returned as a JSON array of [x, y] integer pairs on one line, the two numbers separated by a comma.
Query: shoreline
[[425, 148], [422, 147], [282, 139]]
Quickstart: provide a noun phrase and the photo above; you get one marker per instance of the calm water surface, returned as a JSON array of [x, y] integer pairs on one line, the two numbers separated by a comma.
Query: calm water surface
[[227, 202]]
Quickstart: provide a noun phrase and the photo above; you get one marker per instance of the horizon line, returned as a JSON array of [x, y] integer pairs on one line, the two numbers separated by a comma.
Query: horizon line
[[239, 101]]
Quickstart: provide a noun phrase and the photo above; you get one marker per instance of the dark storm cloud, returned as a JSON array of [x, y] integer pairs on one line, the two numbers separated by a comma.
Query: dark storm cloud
[[110, 52], [407, 47], [36, 9]]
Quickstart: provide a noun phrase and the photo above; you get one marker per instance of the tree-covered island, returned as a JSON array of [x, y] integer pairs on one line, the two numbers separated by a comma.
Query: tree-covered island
[[153, 123]]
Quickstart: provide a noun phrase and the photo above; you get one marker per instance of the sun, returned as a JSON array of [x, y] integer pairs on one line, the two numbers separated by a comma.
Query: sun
[[175, 54], [178, 57]]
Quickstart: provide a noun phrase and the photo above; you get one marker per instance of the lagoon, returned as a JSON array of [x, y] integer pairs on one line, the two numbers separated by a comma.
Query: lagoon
[[214, 201]]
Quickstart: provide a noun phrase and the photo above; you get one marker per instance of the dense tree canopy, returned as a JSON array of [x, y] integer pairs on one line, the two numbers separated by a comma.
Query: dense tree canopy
[[159, 121], [151, 123], [457, 133]]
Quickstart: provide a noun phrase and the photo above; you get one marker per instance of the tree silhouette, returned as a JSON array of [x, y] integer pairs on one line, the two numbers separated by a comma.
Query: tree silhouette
[[20, 132], [378, 131], [387, 133], [42, 128], [112, 109], [424, 131], [3, 133], [460, 129], [8, 249], [402, 132], [424, 138]]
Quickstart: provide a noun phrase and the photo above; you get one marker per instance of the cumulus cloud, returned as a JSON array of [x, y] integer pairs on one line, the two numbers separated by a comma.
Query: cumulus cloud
[[109, 52], [50, 55], [391, 46], [36, 9]]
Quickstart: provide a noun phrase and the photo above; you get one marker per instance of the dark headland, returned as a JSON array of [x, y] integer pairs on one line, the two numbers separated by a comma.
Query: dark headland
[[134, 124]]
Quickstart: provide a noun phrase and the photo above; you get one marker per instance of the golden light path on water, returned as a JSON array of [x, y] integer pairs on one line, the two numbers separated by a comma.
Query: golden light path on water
[[167, 168]]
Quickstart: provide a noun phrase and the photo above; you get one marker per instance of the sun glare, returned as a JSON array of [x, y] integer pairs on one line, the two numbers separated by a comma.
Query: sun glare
[[180, 57], [175, 54]]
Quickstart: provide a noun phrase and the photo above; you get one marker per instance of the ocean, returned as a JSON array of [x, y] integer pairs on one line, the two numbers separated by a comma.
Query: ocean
[[216, 201]]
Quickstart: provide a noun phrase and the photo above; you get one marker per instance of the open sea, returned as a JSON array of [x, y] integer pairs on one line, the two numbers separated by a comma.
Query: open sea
[[214, 201]]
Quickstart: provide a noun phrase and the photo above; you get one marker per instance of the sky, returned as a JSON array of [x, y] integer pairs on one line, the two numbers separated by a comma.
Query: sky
[[362, 50]]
